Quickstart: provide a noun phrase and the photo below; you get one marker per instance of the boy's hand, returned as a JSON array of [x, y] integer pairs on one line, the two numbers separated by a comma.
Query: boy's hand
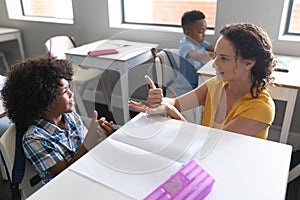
[[106, 126], [95, 135]]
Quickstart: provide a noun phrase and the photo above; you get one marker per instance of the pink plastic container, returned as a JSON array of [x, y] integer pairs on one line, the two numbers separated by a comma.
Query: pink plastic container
[[190, 182]]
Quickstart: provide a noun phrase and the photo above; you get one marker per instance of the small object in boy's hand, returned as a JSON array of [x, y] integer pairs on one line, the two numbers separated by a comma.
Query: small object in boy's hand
[[102, 52]]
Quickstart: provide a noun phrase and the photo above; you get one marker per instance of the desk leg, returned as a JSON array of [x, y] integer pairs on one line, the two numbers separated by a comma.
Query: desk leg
[[21, 48], [288, 115], [294, 173], [125, 99], [124, 93]]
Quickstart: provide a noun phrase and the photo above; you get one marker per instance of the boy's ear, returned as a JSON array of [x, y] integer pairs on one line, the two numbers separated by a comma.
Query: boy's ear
[[249, 63], [187, 32]]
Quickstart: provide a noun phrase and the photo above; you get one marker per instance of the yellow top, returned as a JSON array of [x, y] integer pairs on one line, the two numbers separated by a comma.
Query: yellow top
[[261, 108]]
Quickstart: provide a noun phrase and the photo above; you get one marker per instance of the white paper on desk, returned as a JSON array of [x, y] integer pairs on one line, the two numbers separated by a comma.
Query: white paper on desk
[[167, 138], [142, 154], [108, 165]]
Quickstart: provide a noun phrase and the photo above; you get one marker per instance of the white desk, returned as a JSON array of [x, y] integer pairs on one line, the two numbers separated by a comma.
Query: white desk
[[285, 88], [244, 167], [7, 34], [131, 54]]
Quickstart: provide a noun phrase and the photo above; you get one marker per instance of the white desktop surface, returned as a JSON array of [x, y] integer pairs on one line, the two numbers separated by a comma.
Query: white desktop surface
[[131, 54], [244, 168], [126, 49], [285, 88]]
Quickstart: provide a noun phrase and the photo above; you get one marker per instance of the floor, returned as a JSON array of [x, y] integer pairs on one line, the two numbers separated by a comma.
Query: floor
[[5, 192], [293, 190]]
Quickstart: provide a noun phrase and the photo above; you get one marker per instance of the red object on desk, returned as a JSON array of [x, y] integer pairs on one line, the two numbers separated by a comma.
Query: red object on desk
[[102, 52]]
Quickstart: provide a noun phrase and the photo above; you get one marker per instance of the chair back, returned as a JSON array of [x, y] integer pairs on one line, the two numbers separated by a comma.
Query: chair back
[[165, 74], [166, 67], [7, 147], [57, 45]]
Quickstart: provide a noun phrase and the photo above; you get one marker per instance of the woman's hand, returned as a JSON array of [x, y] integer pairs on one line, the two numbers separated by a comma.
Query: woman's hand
[[140, 107], [155, 95], [164, 108]]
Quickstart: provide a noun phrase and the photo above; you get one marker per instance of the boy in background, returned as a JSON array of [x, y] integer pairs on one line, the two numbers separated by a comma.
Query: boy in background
[[192, 48]]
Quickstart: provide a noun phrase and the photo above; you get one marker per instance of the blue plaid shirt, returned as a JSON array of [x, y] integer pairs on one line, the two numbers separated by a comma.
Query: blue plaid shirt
[[45, 144]]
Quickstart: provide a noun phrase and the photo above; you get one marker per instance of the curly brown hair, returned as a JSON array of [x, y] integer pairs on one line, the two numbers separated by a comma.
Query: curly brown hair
[[252, 42], [31, 86]]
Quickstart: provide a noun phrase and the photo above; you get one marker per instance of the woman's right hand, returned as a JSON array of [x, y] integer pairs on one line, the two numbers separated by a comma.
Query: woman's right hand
[[155, 95]]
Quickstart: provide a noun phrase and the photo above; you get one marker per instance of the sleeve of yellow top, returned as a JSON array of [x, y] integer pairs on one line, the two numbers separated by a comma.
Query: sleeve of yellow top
[[260, 111]]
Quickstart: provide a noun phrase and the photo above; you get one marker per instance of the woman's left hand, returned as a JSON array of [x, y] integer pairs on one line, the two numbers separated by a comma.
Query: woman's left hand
[[164, 108], [140, 107]]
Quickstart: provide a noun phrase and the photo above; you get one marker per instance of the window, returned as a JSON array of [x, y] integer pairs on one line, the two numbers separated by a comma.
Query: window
[[56, 11], [293, 18], [290, 21], [158, 13]]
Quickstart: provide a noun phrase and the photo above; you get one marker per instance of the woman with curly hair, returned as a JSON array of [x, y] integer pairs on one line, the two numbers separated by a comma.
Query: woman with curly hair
[[38, 98], [236, 99]]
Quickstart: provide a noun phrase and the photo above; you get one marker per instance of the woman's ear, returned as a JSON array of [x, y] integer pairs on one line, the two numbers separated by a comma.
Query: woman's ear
[[249, 63]]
